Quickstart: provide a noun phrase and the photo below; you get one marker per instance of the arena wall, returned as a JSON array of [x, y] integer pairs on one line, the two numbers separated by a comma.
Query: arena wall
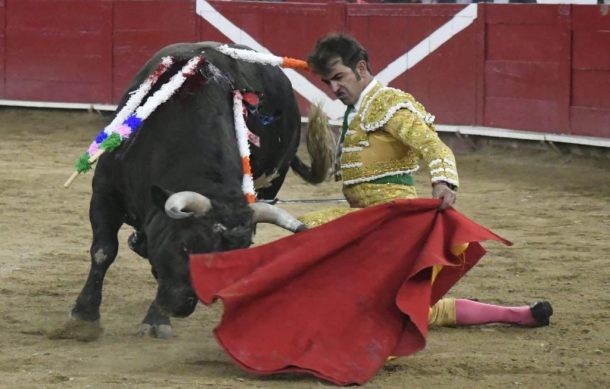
[[537, 68]]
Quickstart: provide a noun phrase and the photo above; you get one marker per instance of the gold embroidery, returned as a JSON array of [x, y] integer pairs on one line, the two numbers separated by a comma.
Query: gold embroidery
[[360, 196], [383, 103], [366, 195], [396, 147], [317, 218]]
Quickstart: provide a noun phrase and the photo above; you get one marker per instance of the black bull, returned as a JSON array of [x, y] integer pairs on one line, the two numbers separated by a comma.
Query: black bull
[[178, 179]]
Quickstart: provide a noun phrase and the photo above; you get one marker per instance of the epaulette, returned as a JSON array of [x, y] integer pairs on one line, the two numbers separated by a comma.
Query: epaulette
[[384, 103]]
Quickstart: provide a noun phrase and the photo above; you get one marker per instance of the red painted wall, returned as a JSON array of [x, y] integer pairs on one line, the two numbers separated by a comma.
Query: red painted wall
[[590, 71], [446, 81], [530, 67], [527, 67], [2, 48], [141, 28], [58, 50]]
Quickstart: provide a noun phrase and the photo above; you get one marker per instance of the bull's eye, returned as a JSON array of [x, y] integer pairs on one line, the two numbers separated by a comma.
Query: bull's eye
[[185, 249], [218, 228]]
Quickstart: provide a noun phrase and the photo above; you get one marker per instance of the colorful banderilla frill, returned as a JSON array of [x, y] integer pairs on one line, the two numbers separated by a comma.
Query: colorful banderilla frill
[[127, 121], [241, 133], [263, 58]]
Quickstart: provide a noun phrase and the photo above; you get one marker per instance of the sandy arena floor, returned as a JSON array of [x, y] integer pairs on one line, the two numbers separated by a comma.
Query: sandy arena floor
[[554, 207]]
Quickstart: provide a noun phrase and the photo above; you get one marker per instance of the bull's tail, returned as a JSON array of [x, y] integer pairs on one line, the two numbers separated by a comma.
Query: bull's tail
[[320, 146]]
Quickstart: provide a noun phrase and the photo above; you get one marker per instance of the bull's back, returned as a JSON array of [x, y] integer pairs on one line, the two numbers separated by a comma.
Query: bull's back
[[189, 142]]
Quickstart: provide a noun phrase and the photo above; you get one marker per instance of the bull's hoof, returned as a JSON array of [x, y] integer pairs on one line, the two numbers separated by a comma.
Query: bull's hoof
[[160, 331], [81, 330]]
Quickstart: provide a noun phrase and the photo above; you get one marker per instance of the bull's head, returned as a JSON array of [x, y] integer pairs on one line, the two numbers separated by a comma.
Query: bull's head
[[192, 223]]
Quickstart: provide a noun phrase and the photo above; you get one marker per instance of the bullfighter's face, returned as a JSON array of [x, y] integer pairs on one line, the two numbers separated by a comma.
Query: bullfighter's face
[[345, 83]]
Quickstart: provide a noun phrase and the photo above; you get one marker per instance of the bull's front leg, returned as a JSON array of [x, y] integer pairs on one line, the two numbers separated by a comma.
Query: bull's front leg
[[156, 323], [106, 216]]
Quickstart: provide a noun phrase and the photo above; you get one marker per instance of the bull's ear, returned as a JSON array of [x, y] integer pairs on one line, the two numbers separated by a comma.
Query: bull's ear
[[159, 196]]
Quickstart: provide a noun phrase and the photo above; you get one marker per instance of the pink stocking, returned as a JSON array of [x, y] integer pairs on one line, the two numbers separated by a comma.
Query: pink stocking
[[468, 312]]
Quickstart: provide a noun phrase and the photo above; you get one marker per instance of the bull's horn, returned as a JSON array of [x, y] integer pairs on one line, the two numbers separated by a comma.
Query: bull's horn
[[267, 213], [181, 205]]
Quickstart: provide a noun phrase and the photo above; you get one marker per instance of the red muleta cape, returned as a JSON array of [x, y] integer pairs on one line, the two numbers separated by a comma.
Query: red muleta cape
[[337, 300]]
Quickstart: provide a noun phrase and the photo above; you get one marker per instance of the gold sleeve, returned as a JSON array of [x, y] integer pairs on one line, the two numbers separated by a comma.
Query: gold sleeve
[[422, 138]]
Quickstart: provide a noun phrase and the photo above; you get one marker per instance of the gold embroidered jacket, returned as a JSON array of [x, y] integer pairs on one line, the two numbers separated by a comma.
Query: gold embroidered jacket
[[388, 135]]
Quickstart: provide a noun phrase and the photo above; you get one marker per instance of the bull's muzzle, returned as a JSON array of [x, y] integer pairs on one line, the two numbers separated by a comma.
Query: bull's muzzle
[[177, 302]]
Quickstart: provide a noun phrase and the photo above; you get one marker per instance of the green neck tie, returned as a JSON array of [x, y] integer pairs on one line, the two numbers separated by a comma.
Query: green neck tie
[[349, 109]]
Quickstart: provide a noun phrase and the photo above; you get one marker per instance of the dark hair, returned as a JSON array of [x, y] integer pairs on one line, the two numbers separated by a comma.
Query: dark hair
[[337, 45]]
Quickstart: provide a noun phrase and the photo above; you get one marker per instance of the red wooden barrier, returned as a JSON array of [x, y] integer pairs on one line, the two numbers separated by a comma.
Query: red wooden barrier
[[2, 48], [527, 67], [446, 81], [141, 28], [540, 68], [590, 106], [58, 50]]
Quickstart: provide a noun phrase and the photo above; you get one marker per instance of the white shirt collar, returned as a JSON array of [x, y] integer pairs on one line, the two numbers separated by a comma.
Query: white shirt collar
[[365, 92]]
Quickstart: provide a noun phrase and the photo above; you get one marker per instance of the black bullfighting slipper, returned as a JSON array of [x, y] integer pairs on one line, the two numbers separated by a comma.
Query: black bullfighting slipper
[[541, 311]]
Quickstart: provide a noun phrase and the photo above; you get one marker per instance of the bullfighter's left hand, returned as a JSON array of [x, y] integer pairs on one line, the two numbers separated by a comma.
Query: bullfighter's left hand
[[440, 190]]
